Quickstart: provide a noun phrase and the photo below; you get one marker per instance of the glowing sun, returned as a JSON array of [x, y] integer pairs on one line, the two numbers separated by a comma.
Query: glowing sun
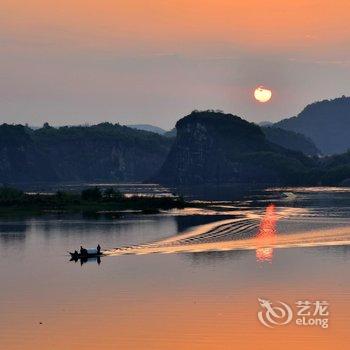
[[262, 94]]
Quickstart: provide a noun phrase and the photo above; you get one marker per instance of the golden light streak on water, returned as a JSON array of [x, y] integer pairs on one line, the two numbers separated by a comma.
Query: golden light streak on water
[[267, 234], [218, 236]]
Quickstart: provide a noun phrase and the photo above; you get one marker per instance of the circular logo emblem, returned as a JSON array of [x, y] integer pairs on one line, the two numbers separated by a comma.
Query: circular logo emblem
[[274, 315]]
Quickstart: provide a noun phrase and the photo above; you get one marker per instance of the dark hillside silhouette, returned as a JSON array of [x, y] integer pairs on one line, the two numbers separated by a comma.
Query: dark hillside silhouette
[[79, 153], [291, 140], [217, 148], [327, 123]]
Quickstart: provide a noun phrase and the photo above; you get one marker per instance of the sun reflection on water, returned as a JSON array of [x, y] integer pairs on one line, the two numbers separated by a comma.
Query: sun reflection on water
[[266, 235]]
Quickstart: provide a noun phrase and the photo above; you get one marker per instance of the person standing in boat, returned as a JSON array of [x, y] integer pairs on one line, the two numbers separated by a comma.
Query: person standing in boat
[[98, 249], [83, 251]]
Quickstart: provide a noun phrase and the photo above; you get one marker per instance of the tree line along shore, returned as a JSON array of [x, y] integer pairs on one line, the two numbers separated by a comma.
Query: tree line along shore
[[92, 200]]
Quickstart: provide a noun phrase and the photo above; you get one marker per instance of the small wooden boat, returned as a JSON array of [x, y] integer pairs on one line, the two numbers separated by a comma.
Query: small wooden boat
[[86, 253]]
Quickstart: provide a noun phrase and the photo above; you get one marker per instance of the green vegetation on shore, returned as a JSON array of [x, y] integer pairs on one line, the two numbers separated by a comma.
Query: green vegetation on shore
[[90, 200]]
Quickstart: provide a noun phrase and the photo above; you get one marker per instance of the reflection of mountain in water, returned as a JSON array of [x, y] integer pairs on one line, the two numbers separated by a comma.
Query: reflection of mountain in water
[[13, 234]]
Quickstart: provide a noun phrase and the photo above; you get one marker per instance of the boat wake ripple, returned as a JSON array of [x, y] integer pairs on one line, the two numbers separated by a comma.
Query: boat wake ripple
[[255, 231]]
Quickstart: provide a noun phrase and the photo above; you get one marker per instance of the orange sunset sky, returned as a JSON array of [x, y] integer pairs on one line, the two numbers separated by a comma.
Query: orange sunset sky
[[154, 61]]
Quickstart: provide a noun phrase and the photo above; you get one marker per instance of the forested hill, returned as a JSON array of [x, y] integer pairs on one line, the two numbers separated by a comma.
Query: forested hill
[[291, 140], [326, 122], [209, 148], [79, 153], [216, 148]]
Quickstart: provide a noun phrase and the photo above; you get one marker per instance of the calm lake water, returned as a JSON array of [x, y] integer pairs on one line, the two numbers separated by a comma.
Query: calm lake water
[[186, 279]]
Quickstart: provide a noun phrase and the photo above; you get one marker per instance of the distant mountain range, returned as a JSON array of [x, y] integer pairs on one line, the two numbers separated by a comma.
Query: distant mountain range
[[326, 123], [148, 127], [207, 147], [287, 139], [321, 128], [291, 140], [214, 148]]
